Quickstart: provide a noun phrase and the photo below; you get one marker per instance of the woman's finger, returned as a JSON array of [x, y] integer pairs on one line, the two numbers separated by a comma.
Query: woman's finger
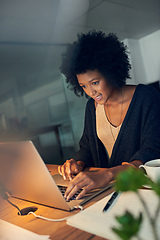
[[68, 170], [59, 170], [70, 192], [84, 191], [79, 182]]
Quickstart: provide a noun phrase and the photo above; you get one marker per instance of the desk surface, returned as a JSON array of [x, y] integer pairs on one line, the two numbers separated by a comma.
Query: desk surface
[[56, 230]]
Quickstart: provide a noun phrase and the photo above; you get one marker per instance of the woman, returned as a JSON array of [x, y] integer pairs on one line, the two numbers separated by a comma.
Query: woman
[[121, 121]]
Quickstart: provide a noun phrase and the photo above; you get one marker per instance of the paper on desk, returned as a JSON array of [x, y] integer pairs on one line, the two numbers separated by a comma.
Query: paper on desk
[[94, 221], [9, 231]]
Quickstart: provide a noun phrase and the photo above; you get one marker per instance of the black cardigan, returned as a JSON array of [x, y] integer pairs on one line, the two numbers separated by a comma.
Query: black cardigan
[[139, 136]]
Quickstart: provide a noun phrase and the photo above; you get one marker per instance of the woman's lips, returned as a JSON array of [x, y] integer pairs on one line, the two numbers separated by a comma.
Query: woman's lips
[[98, 98]]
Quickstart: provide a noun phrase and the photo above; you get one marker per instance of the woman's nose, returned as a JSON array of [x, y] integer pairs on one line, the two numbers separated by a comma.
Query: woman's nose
[[91, 91]]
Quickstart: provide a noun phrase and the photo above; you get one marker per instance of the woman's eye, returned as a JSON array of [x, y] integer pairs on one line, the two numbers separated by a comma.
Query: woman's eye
[[95, 83], [83, 86]]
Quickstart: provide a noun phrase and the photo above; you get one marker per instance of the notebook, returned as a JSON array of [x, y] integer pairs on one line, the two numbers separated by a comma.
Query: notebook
[[24, 175], [97, 222]]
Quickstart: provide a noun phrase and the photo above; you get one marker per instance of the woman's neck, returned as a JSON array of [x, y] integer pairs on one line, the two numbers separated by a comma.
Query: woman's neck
[[116, 98]]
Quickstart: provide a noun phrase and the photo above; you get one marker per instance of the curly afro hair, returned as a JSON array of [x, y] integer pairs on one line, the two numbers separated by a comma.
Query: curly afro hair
[[96, 51]]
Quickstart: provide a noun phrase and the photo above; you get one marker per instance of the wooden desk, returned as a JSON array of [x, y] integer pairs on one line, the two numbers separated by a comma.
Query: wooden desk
[[56, 230]]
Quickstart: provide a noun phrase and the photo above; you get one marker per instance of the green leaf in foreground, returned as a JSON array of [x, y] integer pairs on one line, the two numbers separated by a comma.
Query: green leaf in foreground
[[130, 180], [129, 225]]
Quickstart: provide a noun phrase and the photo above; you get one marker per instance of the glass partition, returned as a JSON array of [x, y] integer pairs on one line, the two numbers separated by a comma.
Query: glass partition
[[35, 103]]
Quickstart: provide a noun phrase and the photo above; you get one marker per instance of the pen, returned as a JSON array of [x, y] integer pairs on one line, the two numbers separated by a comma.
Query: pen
[[110, 201]]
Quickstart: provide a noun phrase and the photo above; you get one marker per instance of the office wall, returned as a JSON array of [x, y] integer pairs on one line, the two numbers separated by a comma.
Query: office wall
[[145, 58], [32, 97], [138, 72], [150, 49]]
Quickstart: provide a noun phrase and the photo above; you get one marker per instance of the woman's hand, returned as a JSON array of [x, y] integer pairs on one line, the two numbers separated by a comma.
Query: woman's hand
[[70, 168], [88, 181], [97, 179]]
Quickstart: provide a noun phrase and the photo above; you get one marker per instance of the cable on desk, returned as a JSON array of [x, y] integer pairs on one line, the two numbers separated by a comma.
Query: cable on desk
[[5, 196], [55, 220], [19, 211]]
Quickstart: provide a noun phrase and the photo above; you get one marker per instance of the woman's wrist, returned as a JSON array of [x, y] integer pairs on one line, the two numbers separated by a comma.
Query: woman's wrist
[[124, 166], [135, 163], [117, 169], [107, 175]]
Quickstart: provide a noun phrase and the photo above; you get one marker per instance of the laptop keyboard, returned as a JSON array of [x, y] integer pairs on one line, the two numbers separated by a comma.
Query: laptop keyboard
[[63, 189]]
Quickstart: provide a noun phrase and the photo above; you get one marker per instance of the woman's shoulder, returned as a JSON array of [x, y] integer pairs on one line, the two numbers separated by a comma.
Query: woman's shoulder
[[146, 96], [148, 91], [142, 89], [141, 95]]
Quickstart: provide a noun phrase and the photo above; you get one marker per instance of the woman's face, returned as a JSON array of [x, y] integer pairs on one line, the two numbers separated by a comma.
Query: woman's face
[[95, 86]]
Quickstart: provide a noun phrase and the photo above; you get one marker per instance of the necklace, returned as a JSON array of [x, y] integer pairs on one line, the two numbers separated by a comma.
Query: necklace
[[109, 118]]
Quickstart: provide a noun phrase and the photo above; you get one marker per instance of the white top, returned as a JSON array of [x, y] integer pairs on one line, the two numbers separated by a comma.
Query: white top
[[106, 132]]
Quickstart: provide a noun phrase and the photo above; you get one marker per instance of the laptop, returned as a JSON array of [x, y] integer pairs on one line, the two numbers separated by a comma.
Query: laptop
[[24, 175]]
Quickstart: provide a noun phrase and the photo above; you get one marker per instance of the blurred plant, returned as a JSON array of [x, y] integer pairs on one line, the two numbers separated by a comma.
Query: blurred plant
[[132, 180]]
